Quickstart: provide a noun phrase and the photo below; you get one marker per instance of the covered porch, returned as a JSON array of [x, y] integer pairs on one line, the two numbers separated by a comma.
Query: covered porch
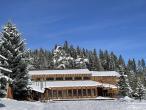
[[71, 92]]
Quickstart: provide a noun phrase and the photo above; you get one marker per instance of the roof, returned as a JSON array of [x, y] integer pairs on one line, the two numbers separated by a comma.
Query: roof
[[105, 73], [87, 83], [50, 72], [37, 88]]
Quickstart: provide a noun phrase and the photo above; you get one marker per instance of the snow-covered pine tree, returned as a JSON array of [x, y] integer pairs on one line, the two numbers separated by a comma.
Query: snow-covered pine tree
[[95, 64], [66, 47], [124, 87], [121, 67], [61, 59], [141, 70], [140, 90], [112, 62], [104, 58], [13, 48], [81, 62], [131, 73], [73, 52]]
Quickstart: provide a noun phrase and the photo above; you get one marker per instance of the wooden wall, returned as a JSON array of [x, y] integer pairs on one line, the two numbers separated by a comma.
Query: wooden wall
[[106, 79]]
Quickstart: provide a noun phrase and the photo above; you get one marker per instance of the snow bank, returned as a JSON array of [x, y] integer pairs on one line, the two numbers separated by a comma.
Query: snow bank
[[9, 104], [126, 99]]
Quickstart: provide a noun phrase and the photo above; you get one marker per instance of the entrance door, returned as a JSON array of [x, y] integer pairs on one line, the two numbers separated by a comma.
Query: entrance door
[[100, 91]]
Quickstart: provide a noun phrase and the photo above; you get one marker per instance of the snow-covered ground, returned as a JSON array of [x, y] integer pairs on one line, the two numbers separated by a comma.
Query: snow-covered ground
[[8, 104]]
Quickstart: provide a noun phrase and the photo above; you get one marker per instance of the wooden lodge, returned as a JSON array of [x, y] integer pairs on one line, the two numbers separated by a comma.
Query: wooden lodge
[[70, 84]]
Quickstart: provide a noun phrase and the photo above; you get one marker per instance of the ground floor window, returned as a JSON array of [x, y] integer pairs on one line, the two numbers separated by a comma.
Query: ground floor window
[[70, 93], [65, 93], [59, 93], [84, 92], [59, 78], [94, 92], [105, 93], [79, 92], [54, 93], [74, 92], [68, 78], [89, 92], [50, 93]]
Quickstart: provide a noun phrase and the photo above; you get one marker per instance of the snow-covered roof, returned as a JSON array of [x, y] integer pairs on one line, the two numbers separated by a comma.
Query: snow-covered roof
[[37, 88], [88, 83], [2, 68], [50, 72], [105, 73]]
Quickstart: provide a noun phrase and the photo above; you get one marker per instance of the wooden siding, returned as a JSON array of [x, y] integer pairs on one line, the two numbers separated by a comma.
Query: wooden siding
[[106, 79]]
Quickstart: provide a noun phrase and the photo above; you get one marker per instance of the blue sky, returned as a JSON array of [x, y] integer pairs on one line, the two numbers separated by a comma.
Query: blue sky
[[115, 25]]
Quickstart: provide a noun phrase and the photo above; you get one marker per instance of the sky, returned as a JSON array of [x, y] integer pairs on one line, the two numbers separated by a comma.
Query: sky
[[115, 25]]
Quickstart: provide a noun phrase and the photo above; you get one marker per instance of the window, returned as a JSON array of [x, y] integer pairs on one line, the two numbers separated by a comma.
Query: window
[[78, 78], [65, 93], [33, 79], [89, 92], [68, 78], [69, 92], [50, 93], [59, 93], [79, 92], [54, 93], [38, 79], [75, 92], [84, 92], [49, 79], [59, 78], [94, 92], [86, 78]]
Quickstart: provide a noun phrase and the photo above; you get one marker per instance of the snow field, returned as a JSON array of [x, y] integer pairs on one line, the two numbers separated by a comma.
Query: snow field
[[73, 105]]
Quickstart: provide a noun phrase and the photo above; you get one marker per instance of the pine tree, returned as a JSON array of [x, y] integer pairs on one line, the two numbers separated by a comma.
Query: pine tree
[[112, 61], [104, 58], [141, 67], [81, 63], [66, 47], [120, 66], [124, 87], [95, 62], [73, 52], [140, 90], [13, 48], [61, 59]]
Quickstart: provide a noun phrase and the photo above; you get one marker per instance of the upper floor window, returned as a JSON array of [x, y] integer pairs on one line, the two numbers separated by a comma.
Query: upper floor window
[[68, 78], [78, 78], [86, 78], [49, 79], [38, 79], [59, 78]]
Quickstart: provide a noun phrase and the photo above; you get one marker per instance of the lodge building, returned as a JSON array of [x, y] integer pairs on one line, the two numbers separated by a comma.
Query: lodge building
[[74, 83]]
